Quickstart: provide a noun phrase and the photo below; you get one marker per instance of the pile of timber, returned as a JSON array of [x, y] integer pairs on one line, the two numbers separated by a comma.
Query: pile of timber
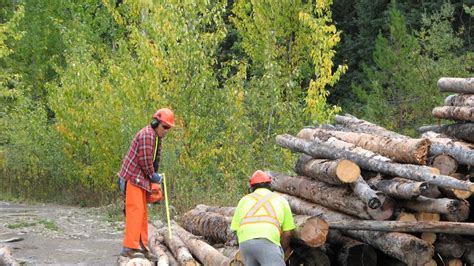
[[458, 107], [409, 200]]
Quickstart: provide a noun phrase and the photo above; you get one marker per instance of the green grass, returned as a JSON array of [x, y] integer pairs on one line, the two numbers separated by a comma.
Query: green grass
[[48, 224], [21, 224]]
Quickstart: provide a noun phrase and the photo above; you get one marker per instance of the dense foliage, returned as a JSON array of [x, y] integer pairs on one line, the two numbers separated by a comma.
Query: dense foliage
[[80, 78]]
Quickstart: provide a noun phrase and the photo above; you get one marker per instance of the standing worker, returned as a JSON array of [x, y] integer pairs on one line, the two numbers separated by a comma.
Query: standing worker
[[137, 177], [264, 223]]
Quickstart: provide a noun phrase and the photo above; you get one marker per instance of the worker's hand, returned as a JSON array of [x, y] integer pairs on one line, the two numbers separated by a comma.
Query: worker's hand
[[156, 178]]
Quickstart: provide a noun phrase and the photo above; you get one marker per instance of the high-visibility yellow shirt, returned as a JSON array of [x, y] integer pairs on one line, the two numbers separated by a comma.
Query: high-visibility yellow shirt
[[261, 229]]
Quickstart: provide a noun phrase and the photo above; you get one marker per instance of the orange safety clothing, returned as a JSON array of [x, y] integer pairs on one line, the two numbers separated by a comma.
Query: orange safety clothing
[[136, 217]]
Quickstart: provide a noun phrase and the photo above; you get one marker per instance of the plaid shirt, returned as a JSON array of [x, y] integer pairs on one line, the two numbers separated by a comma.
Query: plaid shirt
[[137, 166]]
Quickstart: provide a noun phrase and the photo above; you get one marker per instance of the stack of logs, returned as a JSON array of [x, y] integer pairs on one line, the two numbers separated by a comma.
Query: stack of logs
[[361, 195]]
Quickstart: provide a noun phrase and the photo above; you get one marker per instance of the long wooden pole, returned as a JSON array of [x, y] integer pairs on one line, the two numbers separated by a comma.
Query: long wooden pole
[[168, 220], [401, 226]]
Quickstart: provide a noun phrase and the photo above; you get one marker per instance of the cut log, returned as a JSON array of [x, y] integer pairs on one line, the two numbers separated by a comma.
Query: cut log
[[6, 257], [406, 248], [460, 100], [399, 187], [125, 261], [334, 197], [226, 211], [406, 227], [461, 130], [370, 197], [427, 217], [449, 246], [215, 227], [468, 255], [425, 204], [405, 217], [446, 164], [233, 253], [206, 254], [453, 262], [431, 191], [454, 113], [462, 214], [311, 230], [358, 125], [462, 152], [407, 150], [330, 171], [455, 193], [157, 247], [351, 251], [319, 150], [458, 85], [429, 237], [179, 249]]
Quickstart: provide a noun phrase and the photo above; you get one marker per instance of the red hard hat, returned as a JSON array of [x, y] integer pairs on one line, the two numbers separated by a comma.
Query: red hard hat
[[165, 115], [260, 177]]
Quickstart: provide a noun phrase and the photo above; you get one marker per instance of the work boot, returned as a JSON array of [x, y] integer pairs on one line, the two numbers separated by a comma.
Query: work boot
[[149, 256], [131, 253]]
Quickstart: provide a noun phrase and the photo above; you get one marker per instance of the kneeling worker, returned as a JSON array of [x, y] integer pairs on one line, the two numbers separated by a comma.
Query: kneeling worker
[[263, 222]]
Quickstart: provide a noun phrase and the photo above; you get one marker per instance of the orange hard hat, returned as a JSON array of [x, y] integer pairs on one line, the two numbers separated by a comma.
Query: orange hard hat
[[166, 116], [260, 177], [156, 194]]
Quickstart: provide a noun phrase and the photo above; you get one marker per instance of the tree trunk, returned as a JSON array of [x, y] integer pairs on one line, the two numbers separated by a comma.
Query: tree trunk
[[335, 172], [158, 248], [370, 197], [454, 113], [399, 188], [215, 227], [319, 150], [406, 248], [358, 125], [206, 254], [6, 257], [464, 131], [462, 152], [334, 197], [178, 248], [424, 204], [458, 85], [311, 230], [351, 251], [413, 151], [460, 100]]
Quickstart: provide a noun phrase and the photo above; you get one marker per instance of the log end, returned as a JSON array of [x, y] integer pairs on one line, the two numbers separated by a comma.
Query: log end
[[471, 187], [428, 237], [374, 203], [347, 171], [314, 232], [461, 194]]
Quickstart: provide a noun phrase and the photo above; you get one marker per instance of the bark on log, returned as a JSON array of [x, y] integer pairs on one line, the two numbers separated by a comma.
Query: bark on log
[[406, 227], [319, 150], [158, 248], [449, 246], [407, 150], [125, 261], [454, 113], [432, 191], [425, 204], [371, 198], [399, 188], [464, 131], [226, 211], [6, 257], [311, 230], [462, 152], [460, 100], [406, 248], [358, 125], [459, 85], [215, 227], [454, 193], [468, 255], [335, 197], [351, 251], [206, 254], [179, 249], [233, 253], [335, 172]]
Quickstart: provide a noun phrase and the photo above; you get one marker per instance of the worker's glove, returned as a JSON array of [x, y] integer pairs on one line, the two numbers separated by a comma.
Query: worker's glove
[[156, 178]]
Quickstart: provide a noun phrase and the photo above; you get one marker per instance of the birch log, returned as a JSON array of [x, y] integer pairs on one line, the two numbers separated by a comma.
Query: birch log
[[462, 152], [449, 246], [460, 130], [226, 211], [459, 85], [330, 171], [406, 248], [460, 100], [311, 230], [214, 226], [178, 248], [206, 254], [334, 197], [446, 164], [158, 248], [319, 150], [399, 187], [370, 197], [362, 126], [233, 253], [454, 113], [424, 204], [6, 257]]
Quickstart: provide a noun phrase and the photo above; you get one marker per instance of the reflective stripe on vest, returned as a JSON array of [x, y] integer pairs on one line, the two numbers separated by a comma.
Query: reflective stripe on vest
[[261, 202]]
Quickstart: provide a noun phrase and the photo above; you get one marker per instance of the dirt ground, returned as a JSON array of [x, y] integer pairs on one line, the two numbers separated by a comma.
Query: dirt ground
[[53, 234]]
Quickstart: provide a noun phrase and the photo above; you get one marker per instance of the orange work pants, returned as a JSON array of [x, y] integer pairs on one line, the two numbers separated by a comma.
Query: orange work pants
[[136, 217]]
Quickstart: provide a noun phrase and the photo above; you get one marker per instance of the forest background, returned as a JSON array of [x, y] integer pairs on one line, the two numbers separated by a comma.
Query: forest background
[[79, 78]]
